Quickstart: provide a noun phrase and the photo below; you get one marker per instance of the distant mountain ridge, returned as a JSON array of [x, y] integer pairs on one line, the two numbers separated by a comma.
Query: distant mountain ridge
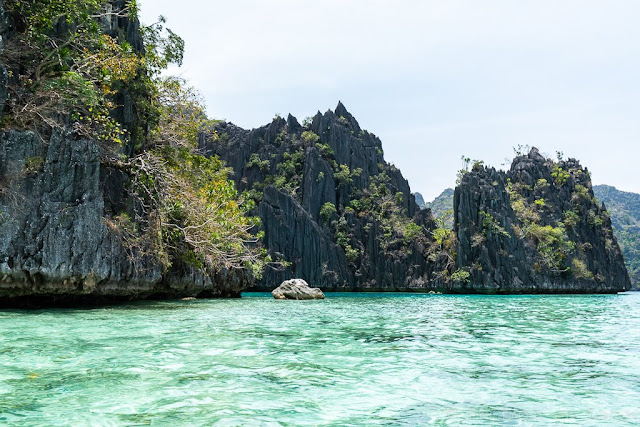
[[420, 200], [624, 208], [442, 207]]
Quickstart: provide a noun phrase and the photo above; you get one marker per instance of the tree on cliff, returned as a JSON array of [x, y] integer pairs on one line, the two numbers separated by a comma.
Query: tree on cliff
[[65, 74]]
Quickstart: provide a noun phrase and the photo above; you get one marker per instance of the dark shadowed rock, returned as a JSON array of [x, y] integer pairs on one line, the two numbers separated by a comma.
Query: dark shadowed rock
[[536, 228], [295, 171], [296, 289], [55, 244]]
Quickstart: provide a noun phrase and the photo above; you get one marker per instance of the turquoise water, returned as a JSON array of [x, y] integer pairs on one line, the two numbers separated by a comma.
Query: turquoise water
[[348, 360]]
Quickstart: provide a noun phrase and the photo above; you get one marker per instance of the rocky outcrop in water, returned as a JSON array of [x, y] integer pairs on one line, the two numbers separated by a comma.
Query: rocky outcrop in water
[[347, 220], [535, 229], [332, 209], [57, 244], [330, 204], [296, 289]]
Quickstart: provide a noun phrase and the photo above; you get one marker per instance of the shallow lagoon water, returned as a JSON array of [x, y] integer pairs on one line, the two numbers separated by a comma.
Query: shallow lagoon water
[[352, 359]]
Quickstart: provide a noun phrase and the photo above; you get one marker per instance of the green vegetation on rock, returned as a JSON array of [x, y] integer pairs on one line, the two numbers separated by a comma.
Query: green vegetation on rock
[[67, 69], [624, 209], [442, 207]]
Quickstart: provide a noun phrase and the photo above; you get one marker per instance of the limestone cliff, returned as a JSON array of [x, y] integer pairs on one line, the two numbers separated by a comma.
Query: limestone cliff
[[56, 195], [332, 209], [535, 229], [330, 204]]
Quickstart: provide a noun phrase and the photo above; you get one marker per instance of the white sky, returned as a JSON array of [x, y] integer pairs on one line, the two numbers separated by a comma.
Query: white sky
[[433, 79]]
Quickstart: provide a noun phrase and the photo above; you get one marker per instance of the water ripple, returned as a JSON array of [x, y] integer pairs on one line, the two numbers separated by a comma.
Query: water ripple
[[356, 359]]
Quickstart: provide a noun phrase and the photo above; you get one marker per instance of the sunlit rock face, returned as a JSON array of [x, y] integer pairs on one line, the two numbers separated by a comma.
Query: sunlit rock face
[[296, 289]]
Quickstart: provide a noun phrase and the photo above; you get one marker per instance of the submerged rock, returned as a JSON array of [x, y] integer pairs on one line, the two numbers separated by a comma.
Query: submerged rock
[[296, 289]]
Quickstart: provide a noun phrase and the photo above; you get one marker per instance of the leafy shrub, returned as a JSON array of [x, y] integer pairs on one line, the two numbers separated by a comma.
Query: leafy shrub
[[327, 211], [310, 137], [571, 218], [343, 175], [553, 246], [254, 161], [594, 219], [490, 225], [541, 185], [581, 192], [580, 270], [461, 276], [67, 66], [325, 150], [559, 175]]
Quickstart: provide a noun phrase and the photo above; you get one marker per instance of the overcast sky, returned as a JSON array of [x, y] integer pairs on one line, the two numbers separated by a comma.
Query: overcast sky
[[433, 79]]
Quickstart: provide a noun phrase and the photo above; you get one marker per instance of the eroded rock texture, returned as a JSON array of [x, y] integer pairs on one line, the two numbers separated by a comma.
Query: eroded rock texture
[[54, 241], [297, 289], [298, 173], [56, 245], [535, 229]]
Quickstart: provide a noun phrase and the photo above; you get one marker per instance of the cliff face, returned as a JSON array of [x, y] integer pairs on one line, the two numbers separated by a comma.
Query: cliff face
[[536, 228], [331, 207], [624, 208], [56, 244], [330, 204], [4, 28]]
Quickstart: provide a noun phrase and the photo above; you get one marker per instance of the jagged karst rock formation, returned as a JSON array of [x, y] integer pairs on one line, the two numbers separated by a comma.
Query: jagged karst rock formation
[[54, 243], [323, 218], [536, 228], [4, 27], [56, 246], [330, 204]]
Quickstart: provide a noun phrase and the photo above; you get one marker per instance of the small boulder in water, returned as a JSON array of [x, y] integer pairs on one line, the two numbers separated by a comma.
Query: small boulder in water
[[296, 289]]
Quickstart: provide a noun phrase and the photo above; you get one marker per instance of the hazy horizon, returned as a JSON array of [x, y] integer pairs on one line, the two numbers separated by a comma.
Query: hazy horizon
[[434, 80]]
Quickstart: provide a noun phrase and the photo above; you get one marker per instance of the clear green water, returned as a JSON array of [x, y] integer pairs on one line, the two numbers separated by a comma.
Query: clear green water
[[348, 360]]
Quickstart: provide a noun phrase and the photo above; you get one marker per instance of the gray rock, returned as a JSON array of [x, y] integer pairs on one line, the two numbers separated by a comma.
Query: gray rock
[[54, 242], [510, 262], [296, 289], [4, 26], [291, 221]]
